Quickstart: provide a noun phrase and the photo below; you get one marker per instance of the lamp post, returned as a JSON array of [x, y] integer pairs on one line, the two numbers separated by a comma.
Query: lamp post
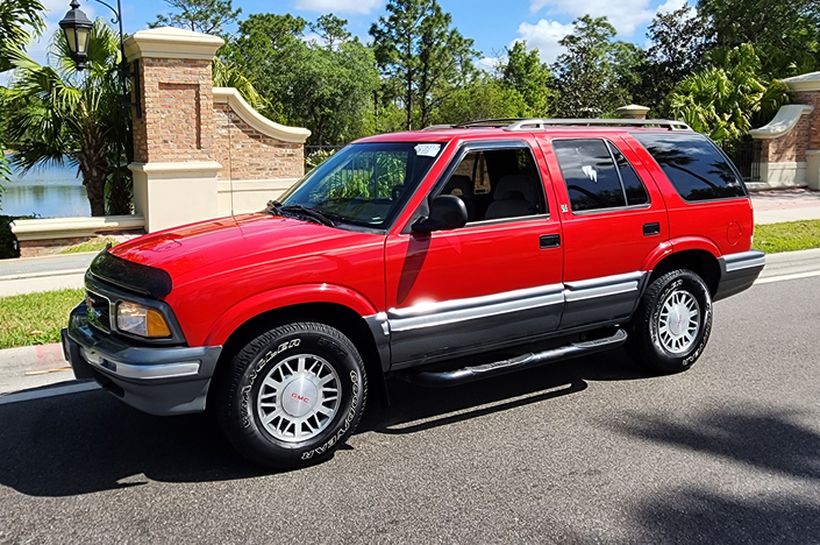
[[77, 27]]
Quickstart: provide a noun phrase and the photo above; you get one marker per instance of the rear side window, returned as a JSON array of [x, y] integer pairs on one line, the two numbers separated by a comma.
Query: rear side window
[[695, 166], [597, 175]]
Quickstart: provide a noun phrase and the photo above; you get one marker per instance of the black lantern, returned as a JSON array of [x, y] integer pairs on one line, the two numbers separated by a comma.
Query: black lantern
[[77, 29]]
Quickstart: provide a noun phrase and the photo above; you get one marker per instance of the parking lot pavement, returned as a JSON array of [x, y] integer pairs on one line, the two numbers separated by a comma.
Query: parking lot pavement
[[586, 451]]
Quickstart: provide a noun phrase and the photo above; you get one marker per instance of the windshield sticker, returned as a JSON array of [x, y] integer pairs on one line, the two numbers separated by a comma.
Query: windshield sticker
[[427, 150]]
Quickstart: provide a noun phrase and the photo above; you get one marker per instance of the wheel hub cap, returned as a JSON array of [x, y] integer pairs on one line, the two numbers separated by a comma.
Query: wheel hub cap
[[679, 322], [298, 398]]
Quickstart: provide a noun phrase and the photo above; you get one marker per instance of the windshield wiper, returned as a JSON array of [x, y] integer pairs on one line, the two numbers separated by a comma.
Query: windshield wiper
[[304, 211], [273, 207]]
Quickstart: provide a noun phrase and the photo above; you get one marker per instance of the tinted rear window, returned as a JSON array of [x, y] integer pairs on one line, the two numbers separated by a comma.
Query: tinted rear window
[[694, 165], [590, 174]]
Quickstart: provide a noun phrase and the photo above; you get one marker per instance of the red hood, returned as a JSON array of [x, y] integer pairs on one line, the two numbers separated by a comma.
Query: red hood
[[215, 247]]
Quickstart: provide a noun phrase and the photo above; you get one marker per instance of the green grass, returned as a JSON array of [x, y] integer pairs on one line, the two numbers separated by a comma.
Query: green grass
[[36, 318], [93, 245], [787, 237]]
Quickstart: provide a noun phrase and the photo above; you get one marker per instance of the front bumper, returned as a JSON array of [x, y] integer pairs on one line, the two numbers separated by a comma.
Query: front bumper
[[738, 272], [160, 380]]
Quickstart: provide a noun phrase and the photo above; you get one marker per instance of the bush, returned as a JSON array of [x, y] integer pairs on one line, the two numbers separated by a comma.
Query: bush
[[8, 242]]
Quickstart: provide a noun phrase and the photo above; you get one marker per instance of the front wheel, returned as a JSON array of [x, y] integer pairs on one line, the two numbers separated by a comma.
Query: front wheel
[[672, 324], [292, 395]]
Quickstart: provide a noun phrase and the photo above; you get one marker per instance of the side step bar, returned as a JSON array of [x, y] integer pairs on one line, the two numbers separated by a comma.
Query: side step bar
[[440, 379]]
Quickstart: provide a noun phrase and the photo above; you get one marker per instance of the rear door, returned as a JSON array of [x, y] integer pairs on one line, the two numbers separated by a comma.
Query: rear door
[[490, 283], [613, 219]]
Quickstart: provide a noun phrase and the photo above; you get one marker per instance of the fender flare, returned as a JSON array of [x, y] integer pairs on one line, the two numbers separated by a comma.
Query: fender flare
[[266, 301], [680, 244]]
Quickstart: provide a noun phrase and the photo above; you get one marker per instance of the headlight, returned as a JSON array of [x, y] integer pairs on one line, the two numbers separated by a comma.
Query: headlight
[[143, 321]]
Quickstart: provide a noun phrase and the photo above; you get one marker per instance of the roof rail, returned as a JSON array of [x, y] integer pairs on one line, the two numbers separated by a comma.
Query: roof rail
[[492, 122], [528, 124], [519, 124]]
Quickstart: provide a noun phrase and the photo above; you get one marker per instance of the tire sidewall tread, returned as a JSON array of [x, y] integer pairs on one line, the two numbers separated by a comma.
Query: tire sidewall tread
[[644, 344], [236, 401]]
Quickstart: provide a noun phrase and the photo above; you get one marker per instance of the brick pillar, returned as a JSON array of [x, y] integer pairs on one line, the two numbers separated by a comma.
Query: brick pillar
[[806, 90], [175, 171], [790, 143]]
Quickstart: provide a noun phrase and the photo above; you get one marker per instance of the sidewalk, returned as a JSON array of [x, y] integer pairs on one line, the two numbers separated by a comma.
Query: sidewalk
[[786, 205], [53, 272], [32, 274]]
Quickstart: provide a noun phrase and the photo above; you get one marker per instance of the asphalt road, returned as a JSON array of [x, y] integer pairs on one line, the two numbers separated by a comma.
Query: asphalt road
[[587, 451]]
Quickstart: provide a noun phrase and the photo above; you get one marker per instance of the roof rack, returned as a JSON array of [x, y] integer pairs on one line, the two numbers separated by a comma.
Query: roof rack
[[527, 124], [518, 124]]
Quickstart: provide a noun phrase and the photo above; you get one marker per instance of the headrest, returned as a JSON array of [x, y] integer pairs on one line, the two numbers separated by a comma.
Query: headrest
[[514, 187], [460, 186]]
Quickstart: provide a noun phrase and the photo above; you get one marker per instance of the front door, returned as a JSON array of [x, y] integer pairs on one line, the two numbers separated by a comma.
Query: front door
[[485, 285]]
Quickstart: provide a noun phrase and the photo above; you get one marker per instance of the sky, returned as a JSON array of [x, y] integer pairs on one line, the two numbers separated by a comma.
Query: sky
[[493, 24]]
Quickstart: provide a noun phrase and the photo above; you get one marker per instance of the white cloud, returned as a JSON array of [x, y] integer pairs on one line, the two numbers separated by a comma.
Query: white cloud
[[489, 64], [339, 6], [544, 36], [672, 5], [625, 15]]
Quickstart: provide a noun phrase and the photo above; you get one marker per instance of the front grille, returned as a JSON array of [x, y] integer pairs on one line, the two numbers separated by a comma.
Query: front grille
[[98, 311]]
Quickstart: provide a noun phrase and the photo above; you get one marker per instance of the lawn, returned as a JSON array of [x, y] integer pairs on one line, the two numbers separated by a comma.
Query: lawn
[[93, 245], [788, 236], [36, 318]]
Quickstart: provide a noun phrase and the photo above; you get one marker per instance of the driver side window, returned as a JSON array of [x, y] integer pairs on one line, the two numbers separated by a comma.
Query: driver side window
[[497, 184]]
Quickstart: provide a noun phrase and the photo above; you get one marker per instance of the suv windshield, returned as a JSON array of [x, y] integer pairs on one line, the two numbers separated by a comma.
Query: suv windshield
[[364, 184]]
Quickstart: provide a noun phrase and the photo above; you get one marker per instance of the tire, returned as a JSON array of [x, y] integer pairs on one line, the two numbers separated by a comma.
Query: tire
[[275, 404], [673, 322]]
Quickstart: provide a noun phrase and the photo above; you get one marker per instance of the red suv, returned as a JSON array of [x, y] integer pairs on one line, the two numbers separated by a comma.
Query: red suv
[[448, 255]]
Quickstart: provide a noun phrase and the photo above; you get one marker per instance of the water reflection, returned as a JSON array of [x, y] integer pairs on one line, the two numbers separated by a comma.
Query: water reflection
[[50, 191]]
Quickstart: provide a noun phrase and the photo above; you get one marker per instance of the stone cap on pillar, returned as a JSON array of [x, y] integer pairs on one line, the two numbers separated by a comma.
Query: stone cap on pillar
[[172, 43], [804, 82], [782, 124], [632, 111]]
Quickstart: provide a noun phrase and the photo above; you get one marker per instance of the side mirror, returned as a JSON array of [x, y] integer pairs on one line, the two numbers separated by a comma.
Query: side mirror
[[446, 212]]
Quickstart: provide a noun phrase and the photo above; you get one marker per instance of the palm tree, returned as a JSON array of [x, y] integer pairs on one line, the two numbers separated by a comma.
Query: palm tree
[[724, 99], [61, 114], [20, 21]]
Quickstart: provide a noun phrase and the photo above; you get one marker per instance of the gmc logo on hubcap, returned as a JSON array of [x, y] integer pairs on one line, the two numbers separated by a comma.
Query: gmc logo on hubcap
[[297, 397]]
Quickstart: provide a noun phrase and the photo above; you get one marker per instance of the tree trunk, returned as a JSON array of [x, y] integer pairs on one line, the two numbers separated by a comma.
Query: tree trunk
[[94, 166], [408, 100]]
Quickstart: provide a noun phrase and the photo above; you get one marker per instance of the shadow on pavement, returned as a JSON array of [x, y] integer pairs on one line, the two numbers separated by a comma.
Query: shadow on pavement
[[89, 442], [696, 515], [415, 408], [762, 439], [765, 439]]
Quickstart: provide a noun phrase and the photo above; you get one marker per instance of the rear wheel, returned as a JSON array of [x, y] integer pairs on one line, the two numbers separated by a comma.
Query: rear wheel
[[292, 395], [672, 324]]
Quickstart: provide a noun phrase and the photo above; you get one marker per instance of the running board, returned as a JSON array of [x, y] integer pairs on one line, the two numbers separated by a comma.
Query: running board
[[440, 379]]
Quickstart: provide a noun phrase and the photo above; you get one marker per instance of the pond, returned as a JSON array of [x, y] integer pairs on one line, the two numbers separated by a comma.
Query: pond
[[50, 191]]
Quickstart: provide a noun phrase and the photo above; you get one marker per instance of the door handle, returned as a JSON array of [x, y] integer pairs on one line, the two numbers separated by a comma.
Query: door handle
[[550, 241], [651, 229]]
